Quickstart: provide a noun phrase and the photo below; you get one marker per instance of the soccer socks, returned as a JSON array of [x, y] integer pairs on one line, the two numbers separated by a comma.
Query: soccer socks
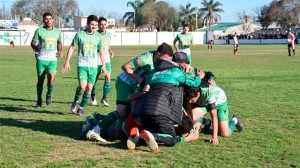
[[50, 89], [109, 119], [167, 139], [85, 100], [77, 95], [106, 89], [204, 121], [39, 90], [232, 124]]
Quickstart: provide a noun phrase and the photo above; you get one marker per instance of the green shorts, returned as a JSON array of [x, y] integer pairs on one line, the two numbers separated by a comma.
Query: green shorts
[[222, 111], [45, 67], [108, 67], [87, 74], [123, 91]]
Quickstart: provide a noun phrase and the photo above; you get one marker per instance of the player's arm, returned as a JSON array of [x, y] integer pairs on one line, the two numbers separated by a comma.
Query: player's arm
[[67, 66], [59, 49], [128, 68], [34, 42], [174, 43], [102, 58], [213, 114], [111, 53], [59, 46]]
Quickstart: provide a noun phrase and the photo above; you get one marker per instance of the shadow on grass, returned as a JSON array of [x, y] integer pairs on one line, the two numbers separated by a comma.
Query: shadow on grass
[[34, 101], [101, 78], [60, 128], [17, 109]]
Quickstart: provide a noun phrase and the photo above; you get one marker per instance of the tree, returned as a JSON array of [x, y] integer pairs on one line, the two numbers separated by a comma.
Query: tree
[[62, 10], [188, 14], [134, 16], [165, 16], [263, 16], [210, 12]]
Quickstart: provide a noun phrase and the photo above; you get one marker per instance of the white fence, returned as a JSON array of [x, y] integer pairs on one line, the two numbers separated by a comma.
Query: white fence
[[23, 38]]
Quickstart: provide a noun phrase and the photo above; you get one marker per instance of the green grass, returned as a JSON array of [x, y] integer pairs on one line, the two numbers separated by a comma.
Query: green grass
[[262, 84]]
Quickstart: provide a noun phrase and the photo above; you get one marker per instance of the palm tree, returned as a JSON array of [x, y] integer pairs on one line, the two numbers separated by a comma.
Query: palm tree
[[132, 16], [209, 12], [187, 13]]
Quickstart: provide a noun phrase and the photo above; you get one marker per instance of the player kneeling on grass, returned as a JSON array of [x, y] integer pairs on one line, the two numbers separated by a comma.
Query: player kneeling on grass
[[213, 99]]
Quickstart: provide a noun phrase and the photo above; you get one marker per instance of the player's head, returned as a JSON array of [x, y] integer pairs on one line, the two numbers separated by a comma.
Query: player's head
[[210, 78], [102, 23], [191, 94], [164, 51], [181, 59], [185, 27], [48, 19], [92, 23]]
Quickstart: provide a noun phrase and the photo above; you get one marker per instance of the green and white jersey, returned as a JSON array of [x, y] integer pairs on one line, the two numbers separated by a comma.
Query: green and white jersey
[[105, 38], [47, 40], [141, 64], [211, 94], [184, 42], [88, 47]]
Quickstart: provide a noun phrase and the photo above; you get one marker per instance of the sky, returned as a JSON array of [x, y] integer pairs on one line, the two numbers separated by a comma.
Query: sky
[[119, 7]]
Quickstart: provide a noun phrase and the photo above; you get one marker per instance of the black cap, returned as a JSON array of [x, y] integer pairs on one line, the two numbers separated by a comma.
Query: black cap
[[165, 48], [180, 57], [209, 75]]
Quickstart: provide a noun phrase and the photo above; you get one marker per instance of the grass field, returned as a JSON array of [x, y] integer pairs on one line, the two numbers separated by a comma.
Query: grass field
[[262, 84]]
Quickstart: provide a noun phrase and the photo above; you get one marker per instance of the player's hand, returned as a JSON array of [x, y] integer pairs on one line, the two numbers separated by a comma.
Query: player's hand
[[146, 88], [60, 54], [66, 68], [104, 71], [112, 54], [188, 68], [214, 140]]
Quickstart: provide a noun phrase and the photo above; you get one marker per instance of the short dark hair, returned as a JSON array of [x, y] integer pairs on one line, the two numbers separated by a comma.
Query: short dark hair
[[92, 18], [47, 14], [190, 92], [165, 48], [102, 19]]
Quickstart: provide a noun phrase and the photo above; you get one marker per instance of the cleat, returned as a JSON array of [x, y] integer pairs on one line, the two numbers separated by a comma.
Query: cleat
[[206, 129], [73, 107], [133, 138], [239, 126], [104, 102], [91, 135], [86, 126], [97, 116], [94, 101], [48, 100], [38, 104], [149, 138], [80, 111]]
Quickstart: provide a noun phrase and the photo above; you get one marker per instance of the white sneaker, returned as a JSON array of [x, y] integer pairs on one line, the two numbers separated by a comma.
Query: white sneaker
[[91, 135], [149, 138], [94, 101], [104, 102], [133, 138], [73, 107]]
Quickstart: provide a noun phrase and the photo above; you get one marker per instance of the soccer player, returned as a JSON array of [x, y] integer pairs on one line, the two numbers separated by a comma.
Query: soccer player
[[161, 107], [185, 41], [291, 42], [210, 44], [212, 99], [106, 37], [127, 82], [47, 45], [89, 43], [235, 44]]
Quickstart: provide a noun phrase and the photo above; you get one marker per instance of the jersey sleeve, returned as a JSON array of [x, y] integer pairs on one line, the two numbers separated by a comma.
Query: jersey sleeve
[[99, 46], [142, 60], [75, 41], [59, 37]]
